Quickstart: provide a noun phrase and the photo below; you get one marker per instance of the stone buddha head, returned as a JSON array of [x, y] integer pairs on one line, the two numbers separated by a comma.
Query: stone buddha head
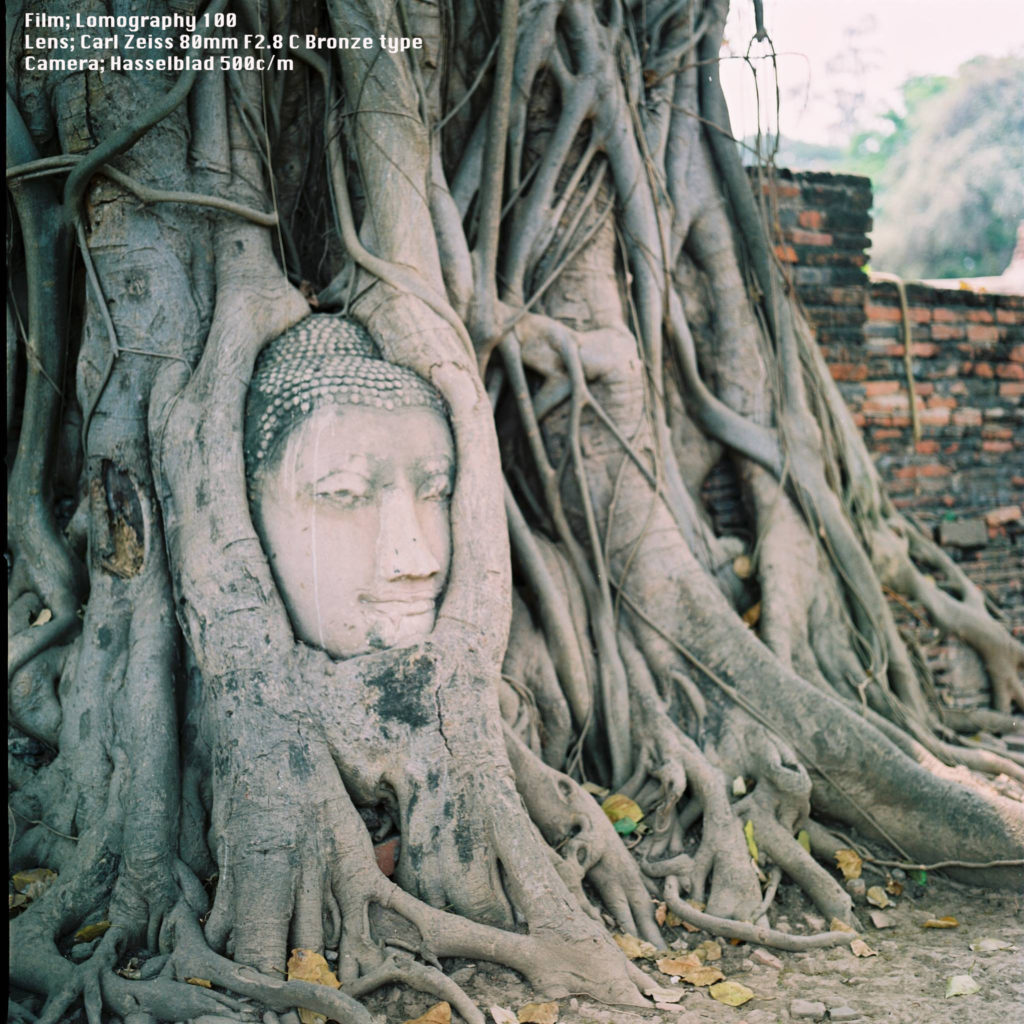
[[350, 465]]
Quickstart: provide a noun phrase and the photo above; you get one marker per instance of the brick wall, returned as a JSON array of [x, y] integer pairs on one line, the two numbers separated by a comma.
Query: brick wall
[[963, 478]]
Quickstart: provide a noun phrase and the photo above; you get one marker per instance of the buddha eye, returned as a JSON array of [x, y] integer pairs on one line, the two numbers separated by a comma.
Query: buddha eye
[[436, 487], [343, 490]]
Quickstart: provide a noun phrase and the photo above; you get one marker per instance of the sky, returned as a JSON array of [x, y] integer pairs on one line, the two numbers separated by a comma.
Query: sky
[[852, 55]]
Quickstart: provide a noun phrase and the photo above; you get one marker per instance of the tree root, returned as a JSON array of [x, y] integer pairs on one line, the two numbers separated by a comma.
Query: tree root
[[747, 932]]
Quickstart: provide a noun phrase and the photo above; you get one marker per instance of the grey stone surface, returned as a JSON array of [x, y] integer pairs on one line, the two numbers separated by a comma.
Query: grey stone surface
[[844, 1013], [963, 533], [806, 1009]]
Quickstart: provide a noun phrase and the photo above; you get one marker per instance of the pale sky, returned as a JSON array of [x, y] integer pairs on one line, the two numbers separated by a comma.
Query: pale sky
[[861, 48]]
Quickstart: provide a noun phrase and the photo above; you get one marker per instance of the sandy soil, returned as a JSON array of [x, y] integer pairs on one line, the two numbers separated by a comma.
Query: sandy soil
[[905, 983]]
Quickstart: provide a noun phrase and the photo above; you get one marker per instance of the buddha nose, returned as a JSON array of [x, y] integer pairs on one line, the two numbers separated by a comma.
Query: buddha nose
[[402, 549]]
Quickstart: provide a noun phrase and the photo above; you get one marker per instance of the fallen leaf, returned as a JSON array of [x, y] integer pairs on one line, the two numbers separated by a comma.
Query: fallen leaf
[[752, 614], [860, 948], [742, 566], [91, 931], [711, 950], [634, 948], [660, 914], [941, 922], [892, 887], [308, 965], [835, 925], [618, 806], [677, 966], [439, 1013], [502, 1016], [701, 976], [880, 920], [990, 945], [961, 985], [539, 1013], [739, 787], [748, 831], [803, 837], [32, 884], [16, 899], [849, 863], [732, 993], [877, 898], [595, 790], [202, 983], [43, 617]]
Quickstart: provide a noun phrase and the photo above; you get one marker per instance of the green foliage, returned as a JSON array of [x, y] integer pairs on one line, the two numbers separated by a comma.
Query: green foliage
[[949, 175]]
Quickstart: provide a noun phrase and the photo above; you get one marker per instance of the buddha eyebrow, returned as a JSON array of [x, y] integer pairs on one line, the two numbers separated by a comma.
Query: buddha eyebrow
[[360, 465], [431, 465]]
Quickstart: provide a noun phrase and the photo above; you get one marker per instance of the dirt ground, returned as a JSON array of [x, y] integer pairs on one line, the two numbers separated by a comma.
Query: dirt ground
[[905, 983]]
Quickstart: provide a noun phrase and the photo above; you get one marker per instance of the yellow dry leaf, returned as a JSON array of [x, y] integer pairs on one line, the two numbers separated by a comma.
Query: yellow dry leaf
[[739, 786], [660, 914], [16, 899], [201, 982], [439, 1013], [711, 950], [748, 831], [860, 948], [634, 948], [849, 863], [732, 993], [43, 617], [502, 1016], [941, 922], [673, 920], [539, 1013], [752, 614], [91, 931], [702, 976], [835, 925], [32, 884], [892, 887], [678, 965], [803, 837], [742, 566], [307, 965], [595, 790], [877, 898], [618, 807]]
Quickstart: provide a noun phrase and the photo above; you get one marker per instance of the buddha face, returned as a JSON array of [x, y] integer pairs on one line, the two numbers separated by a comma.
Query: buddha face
[[353, 516]]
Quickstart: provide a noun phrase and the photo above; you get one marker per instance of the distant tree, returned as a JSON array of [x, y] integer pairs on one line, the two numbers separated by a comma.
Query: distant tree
[[949, 174]]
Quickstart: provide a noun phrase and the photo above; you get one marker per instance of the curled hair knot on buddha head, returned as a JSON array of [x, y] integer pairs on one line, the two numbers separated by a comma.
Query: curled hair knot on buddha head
[[325, 359]]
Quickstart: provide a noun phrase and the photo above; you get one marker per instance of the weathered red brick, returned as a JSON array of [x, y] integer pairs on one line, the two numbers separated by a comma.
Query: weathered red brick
[[981, 334], [885, 434], [876, 312], [984, 370], [810, 219], [942, 402], [924, 387], [926, 447], [1010, 371], [934, 417], [920, 314], [881, 387], [967, 417], [786, 253], [848, 371], [947, 331], [997, 433], [1009, 316], [958, 387], [949, 315], [1012, 389], [980, 316], [924, 349], [1017, 354], [859, 419], [997, 447]]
